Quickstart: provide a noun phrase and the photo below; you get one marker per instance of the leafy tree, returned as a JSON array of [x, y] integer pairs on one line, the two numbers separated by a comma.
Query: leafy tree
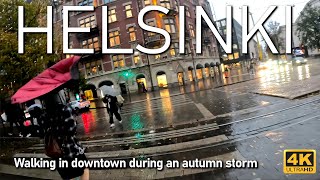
[[273, 31], [17, 69], [308, 27]]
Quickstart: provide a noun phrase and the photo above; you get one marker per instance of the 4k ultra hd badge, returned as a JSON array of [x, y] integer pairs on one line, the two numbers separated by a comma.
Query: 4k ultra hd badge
[[299, 161]]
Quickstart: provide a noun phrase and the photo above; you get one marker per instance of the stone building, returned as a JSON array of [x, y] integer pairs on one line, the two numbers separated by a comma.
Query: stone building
[[133, 72]]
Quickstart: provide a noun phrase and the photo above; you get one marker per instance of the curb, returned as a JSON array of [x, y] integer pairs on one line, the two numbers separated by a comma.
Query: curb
[[125, 154]]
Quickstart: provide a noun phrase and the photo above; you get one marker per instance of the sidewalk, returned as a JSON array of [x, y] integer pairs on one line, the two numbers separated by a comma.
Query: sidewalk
[[236, 75]]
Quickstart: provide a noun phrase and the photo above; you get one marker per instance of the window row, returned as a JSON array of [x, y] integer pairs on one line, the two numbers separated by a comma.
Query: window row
[[118, 61], [114, 36], [112, 14]]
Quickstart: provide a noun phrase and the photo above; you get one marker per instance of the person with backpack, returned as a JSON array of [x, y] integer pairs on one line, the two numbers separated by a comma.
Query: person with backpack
[[60, 136]]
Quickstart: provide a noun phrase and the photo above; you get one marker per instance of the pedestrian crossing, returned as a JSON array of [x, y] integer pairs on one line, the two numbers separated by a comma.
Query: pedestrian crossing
[[154, 152], [161, 104]]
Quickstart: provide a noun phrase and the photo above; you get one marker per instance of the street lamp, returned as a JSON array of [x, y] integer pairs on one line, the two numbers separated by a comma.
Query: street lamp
[[127, 75]]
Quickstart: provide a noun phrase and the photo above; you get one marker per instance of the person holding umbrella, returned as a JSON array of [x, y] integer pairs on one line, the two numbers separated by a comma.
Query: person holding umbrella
[[110, 100], [57, 121]]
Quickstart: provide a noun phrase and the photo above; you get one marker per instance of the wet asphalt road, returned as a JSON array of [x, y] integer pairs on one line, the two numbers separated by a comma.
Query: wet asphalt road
[[168, 111], [258, 127], [209, 124]]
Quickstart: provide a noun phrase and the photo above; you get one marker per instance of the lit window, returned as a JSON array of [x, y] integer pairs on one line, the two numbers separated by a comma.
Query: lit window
[[118, 61], [136, 59], [85, 3], [92, 43], [112, 16], [170, 25], [128, 9], [132, 33], [157, 57], [88, 22], [93, 68], [191, 29], [174, 49], [147, 2], [230, 56], [187, 11], [236, 55], [165, 3], [114, 38]]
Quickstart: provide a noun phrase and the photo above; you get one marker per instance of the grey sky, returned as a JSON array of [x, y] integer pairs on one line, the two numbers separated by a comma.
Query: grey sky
[[258, 7]]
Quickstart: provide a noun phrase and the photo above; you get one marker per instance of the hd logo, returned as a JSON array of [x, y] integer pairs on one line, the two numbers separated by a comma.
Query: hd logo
[[299, 161]]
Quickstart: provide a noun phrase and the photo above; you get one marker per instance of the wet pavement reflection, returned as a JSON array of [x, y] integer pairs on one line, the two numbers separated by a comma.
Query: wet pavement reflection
[[220, 122], [166, 107]]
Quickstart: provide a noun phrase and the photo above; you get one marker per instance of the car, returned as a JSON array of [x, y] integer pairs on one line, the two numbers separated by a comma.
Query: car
[[299, 60], [79, 105]]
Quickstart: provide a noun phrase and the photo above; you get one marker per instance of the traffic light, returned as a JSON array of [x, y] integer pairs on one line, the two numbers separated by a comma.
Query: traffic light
[[127, 74]]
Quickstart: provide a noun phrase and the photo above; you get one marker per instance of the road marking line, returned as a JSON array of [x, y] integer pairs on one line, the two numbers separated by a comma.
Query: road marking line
[[204, 111]]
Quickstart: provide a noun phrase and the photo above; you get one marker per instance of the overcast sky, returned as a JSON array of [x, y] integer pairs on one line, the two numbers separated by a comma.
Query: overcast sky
[[258, 7]]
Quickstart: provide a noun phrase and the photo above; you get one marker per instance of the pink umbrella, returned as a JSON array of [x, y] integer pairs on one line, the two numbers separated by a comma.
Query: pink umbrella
[[48, 80]]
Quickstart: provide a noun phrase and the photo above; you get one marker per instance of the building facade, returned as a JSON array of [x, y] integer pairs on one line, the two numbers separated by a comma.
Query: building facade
[[140, 71], [296, 42], [237, 55]]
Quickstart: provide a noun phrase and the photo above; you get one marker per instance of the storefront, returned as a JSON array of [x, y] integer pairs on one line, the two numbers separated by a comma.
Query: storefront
[[162, 79]]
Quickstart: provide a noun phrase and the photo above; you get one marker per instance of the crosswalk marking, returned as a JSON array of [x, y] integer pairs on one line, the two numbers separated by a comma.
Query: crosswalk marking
[[205, 112]]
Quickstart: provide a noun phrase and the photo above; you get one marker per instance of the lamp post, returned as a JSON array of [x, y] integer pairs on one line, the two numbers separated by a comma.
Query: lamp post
[[144, 40], [127, 75], [258, 42], [193, 63]]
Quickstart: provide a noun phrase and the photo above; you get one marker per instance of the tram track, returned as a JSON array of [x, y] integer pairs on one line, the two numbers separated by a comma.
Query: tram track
[[152, 137]]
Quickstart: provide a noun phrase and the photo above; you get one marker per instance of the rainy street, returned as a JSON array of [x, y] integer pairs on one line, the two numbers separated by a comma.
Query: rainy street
[[243, 117]]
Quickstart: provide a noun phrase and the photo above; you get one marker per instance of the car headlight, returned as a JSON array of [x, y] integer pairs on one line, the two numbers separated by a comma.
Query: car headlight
[[305, 60], [298, 61]]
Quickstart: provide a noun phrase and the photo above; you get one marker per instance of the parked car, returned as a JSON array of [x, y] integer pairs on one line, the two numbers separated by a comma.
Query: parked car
[[79, 105], [299, 60]]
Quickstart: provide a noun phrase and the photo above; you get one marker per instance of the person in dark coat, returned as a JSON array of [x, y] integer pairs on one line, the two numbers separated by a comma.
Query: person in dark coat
[[112, 108], [58, 118], [35, 111], [15, 116]]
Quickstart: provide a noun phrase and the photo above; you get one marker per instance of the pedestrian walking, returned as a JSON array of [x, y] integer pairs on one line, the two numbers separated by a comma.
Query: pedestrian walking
[[35, 111], [252, 71], [143, 87], [226, 70], [3, 119], [60, 137], [15, 116], [112, 108], [110, 99]]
